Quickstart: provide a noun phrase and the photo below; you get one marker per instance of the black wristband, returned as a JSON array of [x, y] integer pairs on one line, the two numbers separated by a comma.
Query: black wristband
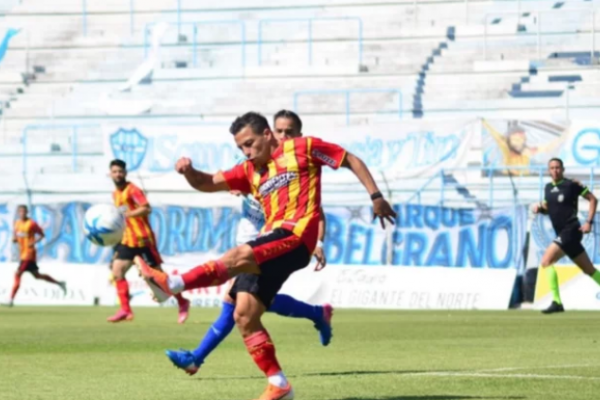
[[376, 195]]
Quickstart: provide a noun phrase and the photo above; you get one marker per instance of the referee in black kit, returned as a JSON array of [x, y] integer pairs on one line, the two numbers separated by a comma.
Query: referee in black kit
[[560, 203]]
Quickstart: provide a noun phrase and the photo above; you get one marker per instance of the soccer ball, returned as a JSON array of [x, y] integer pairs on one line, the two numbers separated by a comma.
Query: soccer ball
[[103, 225]]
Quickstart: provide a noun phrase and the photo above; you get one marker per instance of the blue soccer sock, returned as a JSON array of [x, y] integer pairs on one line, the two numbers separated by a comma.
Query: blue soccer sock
[[289, 307], [218, 331]]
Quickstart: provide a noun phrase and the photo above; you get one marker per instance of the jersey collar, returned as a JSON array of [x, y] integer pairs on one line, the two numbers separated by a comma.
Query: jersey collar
[[124, 187]]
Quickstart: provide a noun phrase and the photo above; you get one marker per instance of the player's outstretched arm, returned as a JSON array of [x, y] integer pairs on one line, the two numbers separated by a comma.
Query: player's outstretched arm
[[199, 180], [381, 208]]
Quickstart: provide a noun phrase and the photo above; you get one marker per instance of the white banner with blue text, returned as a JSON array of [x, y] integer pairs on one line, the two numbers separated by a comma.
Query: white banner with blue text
[[406, 150], [423, 236]]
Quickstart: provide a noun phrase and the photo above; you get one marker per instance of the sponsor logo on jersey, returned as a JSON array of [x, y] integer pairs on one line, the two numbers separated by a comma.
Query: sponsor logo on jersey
[[324, 158], [277, 182]]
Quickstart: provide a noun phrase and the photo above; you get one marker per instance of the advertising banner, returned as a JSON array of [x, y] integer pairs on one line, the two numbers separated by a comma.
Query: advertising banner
[[423, 236], [410, 149], [542, 234], [434, 288], [522, 147], [343, 286], [426, 236], [82, 285], [577, 290]]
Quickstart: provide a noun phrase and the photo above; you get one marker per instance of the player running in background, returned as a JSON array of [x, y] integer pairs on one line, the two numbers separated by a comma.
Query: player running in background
[[287, 126], [138, 240], [286, 179], [27, 233], [560, 203]]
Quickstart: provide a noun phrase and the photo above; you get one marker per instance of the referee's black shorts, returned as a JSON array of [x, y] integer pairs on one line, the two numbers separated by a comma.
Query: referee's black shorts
[[279, 254], [569, 240]]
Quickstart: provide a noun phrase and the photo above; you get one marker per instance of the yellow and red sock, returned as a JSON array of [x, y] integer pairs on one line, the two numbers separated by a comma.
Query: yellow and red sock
[[123, 293], [213, 273], [262, 350], [180, 299]]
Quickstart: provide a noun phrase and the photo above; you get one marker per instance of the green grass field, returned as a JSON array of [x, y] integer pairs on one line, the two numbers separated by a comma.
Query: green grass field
[[72, 353]]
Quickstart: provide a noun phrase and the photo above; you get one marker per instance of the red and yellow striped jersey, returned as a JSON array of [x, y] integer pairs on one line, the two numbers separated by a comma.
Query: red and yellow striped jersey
[[138, 232], [289, 185], [25, 232]]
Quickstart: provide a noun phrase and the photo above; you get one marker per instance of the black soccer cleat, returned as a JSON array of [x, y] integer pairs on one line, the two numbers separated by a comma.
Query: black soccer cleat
[[554, 308]]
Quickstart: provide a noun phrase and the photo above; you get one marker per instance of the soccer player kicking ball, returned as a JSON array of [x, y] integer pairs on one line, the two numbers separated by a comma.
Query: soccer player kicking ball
[[138, 240], [560, 203], [286, 179], [27, 233], [287, 126]]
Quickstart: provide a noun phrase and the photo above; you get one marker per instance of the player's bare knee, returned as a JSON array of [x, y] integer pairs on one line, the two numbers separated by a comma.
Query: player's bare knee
[[242, 319], [118, 274], [119, 268]]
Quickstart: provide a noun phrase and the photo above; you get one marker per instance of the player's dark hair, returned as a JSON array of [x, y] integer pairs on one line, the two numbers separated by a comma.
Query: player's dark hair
[[290, 115], [23, 206], [558, 160], [256, 121], [118, 163]]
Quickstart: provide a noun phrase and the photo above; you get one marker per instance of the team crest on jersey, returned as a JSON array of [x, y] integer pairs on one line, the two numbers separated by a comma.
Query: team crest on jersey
[[130, 146], [281, 161], [561, 197]]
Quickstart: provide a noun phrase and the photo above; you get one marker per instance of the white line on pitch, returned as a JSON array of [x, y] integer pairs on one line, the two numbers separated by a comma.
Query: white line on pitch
[[513, 376], [536, 368]]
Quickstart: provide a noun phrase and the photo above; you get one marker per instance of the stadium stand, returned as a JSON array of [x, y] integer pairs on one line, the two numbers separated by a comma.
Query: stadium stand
[[345, 62]]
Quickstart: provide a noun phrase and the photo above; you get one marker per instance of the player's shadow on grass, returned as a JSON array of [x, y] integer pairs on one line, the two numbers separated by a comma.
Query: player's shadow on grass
[[437, 397], [320, 374]]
